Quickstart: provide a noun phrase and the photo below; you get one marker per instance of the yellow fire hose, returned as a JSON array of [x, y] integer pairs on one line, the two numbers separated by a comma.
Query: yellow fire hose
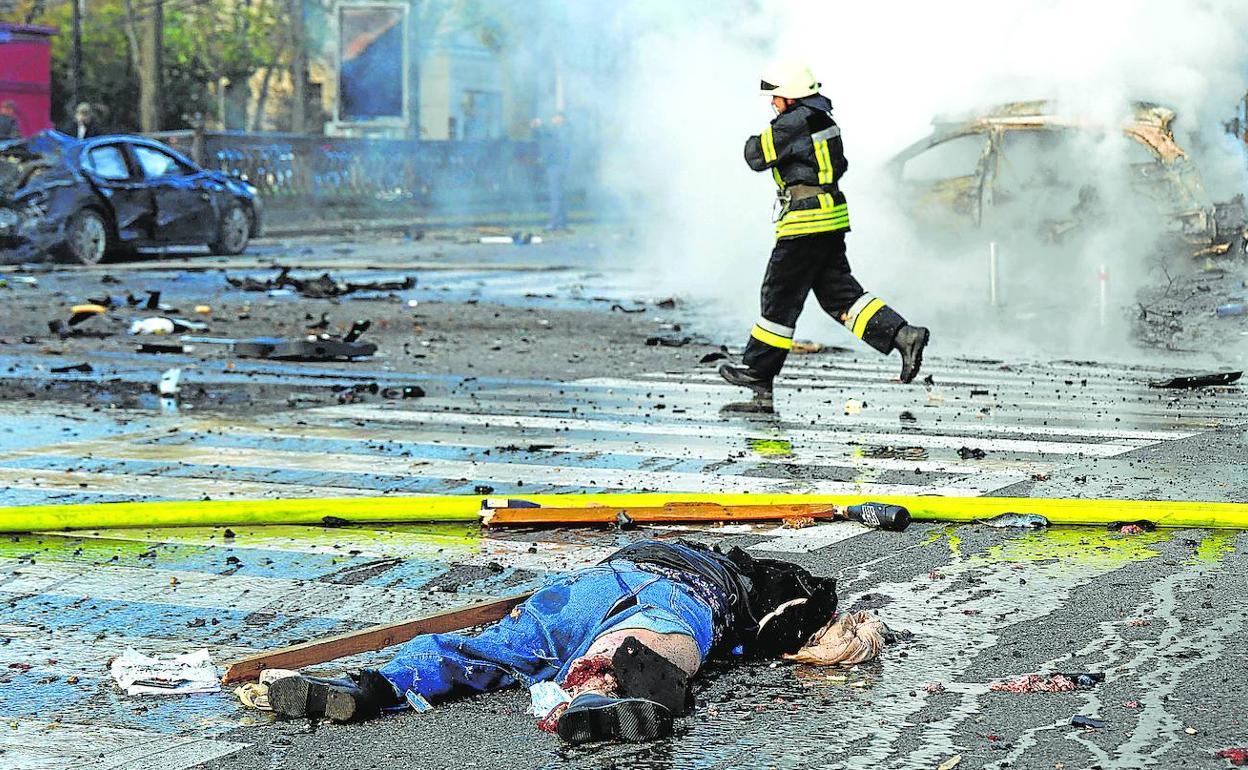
[[414, 509]]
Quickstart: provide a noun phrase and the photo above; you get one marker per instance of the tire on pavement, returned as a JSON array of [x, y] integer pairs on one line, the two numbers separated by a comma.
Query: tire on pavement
[[233, 232], [86, 238]]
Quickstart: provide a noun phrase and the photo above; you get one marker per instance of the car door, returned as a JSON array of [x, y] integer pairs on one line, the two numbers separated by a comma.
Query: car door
[[183, 201], [943, 180], [122, 186]]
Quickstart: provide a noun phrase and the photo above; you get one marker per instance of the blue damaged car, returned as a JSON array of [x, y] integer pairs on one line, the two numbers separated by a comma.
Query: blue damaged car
[[80, 201]]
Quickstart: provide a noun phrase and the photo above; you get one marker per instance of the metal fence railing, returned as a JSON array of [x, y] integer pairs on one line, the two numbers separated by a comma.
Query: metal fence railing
[[294, 168]]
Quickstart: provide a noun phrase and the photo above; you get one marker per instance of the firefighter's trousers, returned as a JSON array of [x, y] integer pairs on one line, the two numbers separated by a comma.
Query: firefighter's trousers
[[797, 266]]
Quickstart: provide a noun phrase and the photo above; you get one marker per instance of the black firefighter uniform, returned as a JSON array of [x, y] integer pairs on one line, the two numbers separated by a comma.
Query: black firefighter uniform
[[802, 148]]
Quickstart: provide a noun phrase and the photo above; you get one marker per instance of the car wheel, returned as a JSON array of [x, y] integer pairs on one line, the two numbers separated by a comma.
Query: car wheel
[[86, 238], [233, 232]]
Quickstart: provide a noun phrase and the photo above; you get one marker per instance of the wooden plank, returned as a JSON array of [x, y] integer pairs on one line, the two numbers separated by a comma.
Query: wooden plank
[[666, 514], [369, 639]]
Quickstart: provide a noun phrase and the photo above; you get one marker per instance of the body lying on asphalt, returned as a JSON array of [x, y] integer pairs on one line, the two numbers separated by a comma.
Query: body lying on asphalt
[[623, 639]]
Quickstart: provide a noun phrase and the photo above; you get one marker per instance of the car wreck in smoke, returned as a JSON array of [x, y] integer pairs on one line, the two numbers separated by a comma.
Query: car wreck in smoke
[[80, 200], [1025, 168]]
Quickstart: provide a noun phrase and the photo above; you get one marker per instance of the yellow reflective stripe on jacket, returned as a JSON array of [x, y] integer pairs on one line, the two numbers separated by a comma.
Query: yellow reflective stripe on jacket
[[768, 338], [827, 174], [775, 173], [827, 218], [868, 312], [768, 140]]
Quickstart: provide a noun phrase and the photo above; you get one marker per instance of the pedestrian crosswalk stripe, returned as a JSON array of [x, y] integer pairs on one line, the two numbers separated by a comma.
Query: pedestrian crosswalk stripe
[[815, 437]]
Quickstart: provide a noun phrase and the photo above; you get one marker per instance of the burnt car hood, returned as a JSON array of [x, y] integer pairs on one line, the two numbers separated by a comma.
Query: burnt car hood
[[34, 165]]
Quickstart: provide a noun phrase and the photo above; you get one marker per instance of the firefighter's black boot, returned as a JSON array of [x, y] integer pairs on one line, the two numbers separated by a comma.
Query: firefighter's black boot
[[910, 341], [354, 697], [745, 377]]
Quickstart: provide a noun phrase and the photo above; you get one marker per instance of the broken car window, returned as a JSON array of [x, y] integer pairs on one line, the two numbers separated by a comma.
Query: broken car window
[[947, 160], [156, 164], [107, 162]]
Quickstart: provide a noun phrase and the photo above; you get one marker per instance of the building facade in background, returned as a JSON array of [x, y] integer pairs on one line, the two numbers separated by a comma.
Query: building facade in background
[[398, 69]]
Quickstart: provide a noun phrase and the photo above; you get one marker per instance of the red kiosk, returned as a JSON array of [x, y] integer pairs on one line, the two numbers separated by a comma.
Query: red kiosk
[[26, 73]]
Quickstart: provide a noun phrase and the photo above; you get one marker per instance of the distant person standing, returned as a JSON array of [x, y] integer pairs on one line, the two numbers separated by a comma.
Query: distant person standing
[[85, 123], [9, 128], [554, 152]]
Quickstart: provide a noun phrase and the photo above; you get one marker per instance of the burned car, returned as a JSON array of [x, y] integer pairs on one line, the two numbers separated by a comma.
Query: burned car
[[1025, 167], [82, 200]]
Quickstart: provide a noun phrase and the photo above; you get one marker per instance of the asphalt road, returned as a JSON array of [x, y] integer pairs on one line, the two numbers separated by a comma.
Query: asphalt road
[[1160, 614]]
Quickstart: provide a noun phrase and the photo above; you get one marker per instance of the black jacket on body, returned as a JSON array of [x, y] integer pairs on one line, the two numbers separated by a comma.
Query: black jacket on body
[[754, 588]]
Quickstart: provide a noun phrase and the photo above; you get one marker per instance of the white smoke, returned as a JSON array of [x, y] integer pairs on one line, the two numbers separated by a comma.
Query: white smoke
[[689, 100]]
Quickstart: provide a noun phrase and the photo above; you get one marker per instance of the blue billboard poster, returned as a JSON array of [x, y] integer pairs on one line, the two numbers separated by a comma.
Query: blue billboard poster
[[372, 63]]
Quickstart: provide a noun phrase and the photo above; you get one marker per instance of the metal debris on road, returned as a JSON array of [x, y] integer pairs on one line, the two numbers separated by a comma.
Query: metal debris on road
[[1198, 380], [323, 286]]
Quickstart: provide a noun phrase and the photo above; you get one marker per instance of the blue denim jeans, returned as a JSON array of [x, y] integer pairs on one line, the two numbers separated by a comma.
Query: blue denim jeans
[[555, 626]]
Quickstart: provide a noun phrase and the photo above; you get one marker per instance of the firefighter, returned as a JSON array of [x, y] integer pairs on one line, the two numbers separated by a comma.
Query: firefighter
[[802, 149]]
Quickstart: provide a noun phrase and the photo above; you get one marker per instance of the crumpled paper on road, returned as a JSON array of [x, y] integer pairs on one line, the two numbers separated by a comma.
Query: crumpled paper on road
[[190, 672], [852, 638]]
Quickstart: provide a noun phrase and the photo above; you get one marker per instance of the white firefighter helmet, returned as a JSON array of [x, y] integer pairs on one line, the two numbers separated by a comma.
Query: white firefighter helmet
[[790, 79]]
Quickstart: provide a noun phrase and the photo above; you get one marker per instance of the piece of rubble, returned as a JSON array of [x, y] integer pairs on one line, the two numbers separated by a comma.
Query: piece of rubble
[[84, 367], [1198, 380], [1079, 720], [165, 325]]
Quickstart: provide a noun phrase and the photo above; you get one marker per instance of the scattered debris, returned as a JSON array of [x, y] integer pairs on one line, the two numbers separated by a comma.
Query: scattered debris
[[666, 304], [798, 522], [83, 367], [80, 313], [1230, 309], [323, 286], [895, 453], [312, 348], [933, 688], [806, 347], [139, 674], [624, 522], [169, 382], [1198, 381], [966, 453], [712, 357], [1238, 756], [1092, 723], [1039, 477], [516, 239], [164, 347], [1010, 520], [334, 522], [668, 341], [165, 325], [950, 763], [854, 406], [618, 308]]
